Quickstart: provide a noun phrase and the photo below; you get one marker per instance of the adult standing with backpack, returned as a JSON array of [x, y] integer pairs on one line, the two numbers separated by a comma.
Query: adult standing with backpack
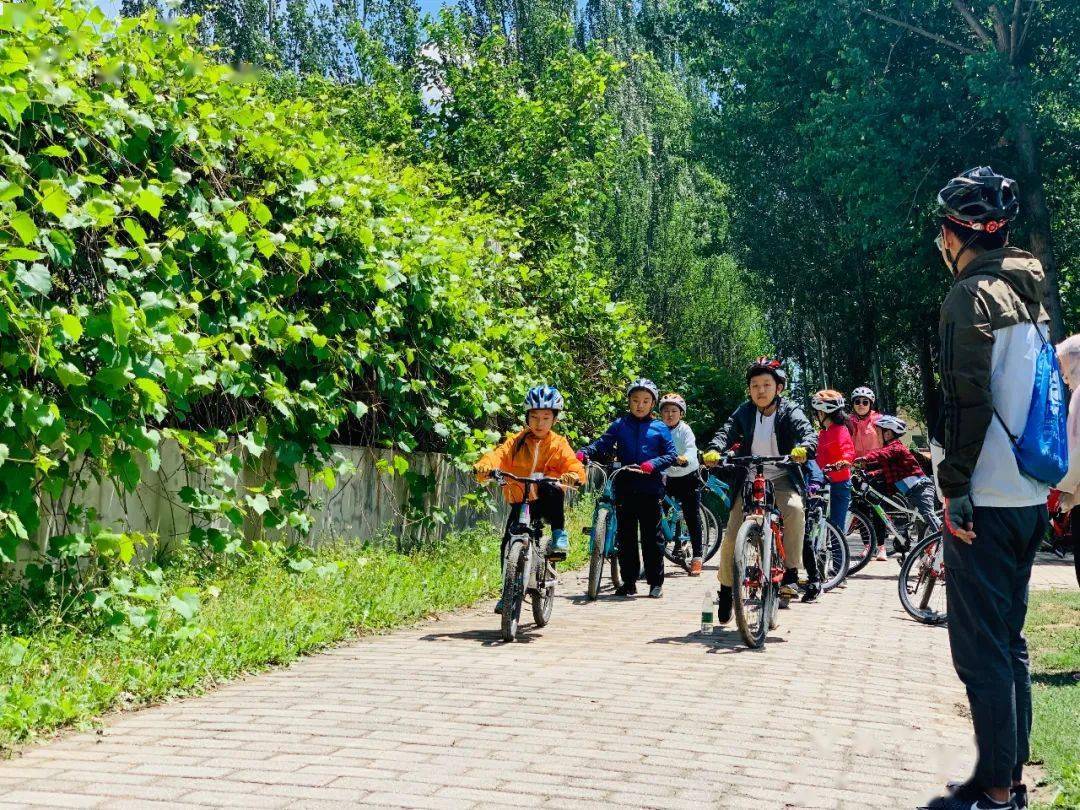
[[993, 335]]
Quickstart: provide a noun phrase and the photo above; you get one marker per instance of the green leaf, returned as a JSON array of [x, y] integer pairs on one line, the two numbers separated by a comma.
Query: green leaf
[[300, 566], [151, 389], [55, 151], [135, 231], [35, 277], [53, 197], [24, 226], [21, 254], [258, 503], [122, 322], [71, 326], [149, 200], [358, 409], [70, 376]]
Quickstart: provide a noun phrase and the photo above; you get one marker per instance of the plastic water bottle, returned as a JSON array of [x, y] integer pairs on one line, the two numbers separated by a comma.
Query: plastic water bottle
[[708, 611]]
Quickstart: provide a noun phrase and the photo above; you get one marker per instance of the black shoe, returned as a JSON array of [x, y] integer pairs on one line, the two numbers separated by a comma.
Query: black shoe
[[626, 590], [813, 591], [1019, 793], [967, 797], [724, 605], [655, 592]]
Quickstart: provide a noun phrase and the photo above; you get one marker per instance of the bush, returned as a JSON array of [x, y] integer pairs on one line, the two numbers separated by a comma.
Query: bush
[[184, 257]]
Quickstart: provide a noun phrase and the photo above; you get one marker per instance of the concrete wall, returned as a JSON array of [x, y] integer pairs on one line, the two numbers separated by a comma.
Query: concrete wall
[[361, 506]]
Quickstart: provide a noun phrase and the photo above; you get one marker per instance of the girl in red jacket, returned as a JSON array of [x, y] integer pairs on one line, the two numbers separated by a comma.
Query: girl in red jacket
[[836, 449]]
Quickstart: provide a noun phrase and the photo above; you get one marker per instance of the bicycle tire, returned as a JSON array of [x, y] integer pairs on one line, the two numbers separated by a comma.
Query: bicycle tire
[[750, 544], [861, 540], [616, 573], [513, 589], [543, 601], [916, 595], [832, 558], [596, 555], [710, 539]]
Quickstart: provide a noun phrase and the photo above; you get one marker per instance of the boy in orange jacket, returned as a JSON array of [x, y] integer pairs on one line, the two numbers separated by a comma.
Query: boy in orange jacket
[[538, 450]]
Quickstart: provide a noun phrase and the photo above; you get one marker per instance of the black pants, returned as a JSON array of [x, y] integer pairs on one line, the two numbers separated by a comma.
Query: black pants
[[549, 506], [638, 516], [987, 602], [686, 490]]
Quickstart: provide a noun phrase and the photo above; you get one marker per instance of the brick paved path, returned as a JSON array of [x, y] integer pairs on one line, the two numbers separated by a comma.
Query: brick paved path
[[851, 705]]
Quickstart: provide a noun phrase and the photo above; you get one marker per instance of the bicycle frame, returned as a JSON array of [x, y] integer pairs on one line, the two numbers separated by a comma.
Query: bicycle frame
[[759, 505], [877, 500], [607, 501]]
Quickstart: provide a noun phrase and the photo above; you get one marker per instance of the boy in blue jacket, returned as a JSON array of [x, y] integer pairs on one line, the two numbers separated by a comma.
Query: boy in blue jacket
[[643, 445]]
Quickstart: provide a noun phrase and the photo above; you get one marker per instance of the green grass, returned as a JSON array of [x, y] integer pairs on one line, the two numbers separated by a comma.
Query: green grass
[[1053, 630], [265, 615]]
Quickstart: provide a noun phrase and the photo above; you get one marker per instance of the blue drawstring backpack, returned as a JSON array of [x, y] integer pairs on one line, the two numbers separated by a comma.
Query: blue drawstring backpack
[[1042, 448]]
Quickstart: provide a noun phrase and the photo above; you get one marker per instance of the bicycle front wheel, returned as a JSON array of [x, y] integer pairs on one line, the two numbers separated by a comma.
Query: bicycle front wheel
[[832, 557], [596, 555], [922, 582], [752, 587], [861, 540], [513, 589]]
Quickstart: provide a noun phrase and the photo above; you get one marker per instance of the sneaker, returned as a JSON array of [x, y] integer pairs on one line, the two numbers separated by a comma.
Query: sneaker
[[695, 567], [966, 797], [1019, 793], [655, 592], [881, 555], [813, 591], [724, 597], [559, 545], [626, 590], [498, 607], [789, 590]]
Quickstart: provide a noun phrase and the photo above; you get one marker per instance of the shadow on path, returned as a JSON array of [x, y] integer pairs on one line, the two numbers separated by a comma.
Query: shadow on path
[[724, 643], [487, 638]]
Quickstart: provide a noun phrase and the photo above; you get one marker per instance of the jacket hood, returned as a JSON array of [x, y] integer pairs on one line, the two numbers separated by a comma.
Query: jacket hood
[[1017, 267]]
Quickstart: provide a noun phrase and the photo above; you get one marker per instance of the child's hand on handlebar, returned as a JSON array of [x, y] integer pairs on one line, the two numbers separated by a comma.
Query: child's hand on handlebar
[[711, 458], [798, 455], [569, 481]]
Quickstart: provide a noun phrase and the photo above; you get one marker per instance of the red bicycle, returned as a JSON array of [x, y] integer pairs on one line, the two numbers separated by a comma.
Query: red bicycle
[[759, 559], [1060, 541]]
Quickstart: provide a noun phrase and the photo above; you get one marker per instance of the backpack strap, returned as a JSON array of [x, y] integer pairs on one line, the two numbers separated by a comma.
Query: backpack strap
[[1032, 320]]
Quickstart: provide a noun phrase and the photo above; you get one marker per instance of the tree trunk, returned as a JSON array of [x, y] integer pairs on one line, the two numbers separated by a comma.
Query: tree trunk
[[930, 391], [1041, 238]]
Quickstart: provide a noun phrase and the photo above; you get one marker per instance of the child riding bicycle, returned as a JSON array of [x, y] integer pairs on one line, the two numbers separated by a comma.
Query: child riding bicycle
[[895, 467], [766, 425], [643, 445], [682, 482], [537, 451]]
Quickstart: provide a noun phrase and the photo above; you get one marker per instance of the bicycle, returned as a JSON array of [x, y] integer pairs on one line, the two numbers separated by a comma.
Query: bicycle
[[921, 575], [603, 541], [675, 534], [1060, 539], [759, 558], [526, 570], [830, 549], [903, 524]]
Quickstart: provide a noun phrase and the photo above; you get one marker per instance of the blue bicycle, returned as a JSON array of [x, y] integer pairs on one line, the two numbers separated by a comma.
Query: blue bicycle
[[603, 545], [674, 533], [603, 539]]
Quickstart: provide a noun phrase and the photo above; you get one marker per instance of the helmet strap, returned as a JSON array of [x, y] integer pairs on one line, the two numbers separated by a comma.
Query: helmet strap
[[954, 262]]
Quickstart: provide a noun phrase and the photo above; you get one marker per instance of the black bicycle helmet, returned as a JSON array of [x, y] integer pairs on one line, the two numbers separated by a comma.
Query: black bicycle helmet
[[767, 365], [980, 199]]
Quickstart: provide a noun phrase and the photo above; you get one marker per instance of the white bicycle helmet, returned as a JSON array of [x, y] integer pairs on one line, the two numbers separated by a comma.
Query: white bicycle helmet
[[643, 384], [827, 404], [544, 397], [863, 391], [673, 399], [893, 423]]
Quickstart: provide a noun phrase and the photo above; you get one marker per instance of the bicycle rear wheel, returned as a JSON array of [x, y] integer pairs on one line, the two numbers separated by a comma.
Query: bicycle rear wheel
[[544, 599], [922, 582], [710, 534], [752, 585], [861, 540], [513, 589], [832, 558], [598, 538]]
